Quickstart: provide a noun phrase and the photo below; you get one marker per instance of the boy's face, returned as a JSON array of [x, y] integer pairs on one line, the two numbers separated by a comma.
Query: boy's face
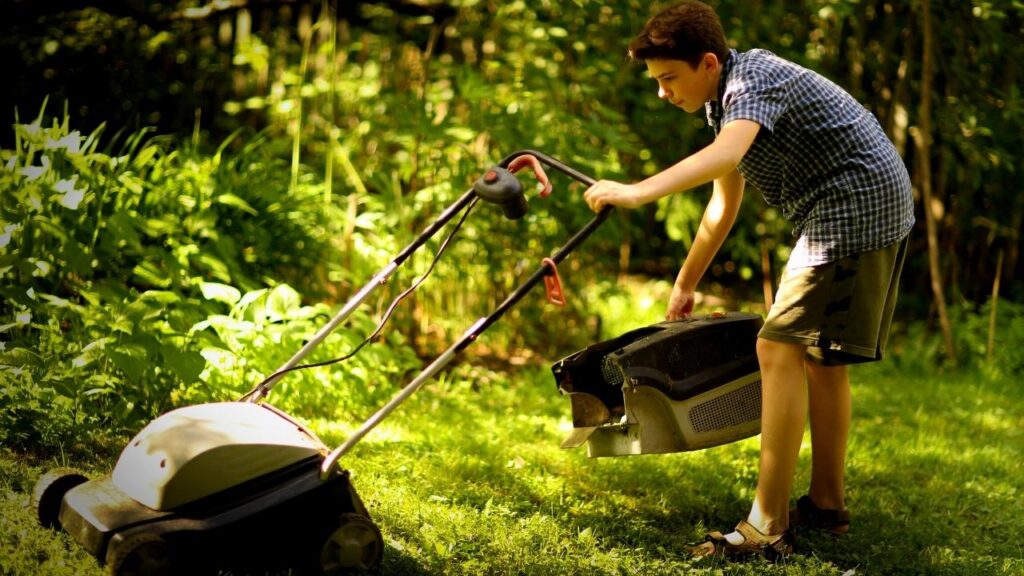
[[683, 85]]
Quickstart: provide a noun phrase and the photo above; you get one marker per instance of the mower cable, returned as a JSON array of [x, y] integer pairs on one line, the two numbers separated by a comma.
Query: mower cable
[[387, 314]]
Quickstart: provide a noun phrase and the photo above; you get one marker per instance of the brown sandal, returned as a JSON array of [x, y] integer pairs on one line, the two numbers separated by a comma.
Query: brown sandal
[[808, 515], [771, 546]]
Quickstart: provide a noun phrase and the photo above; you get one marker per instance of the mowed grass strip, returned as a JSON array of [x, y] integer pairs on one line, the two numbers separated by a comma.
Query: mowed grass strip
[[467, 478]]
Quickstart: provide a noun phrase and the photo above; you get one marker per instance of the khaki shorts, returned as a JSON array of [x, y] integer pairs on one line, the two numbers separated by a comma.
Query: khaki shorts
[[840, 310]]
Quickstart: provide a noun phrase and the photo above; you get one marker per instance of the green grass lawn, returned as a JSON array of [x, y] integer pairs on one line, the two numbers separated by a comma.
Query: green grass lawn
[[467, 478]]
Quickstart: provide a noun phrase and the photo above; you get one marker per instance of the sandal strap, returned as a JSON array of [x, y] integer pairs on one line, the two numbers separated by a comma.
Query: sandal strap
[[752, 534], [754, 542]]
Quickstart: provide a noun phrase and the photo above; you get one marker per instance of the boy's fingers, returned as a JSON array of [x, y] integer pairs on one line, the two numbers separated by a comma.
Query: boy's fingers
[[590, 196]]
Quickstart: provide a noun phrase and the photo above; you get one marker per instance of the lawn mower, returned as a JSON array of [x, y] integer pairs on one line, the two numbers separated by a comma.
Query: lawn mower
[[243, 486]]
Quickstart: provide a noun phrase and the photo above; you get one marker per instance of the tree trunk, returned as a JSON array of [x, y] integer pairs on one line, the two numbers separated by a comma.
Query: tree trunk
[[992, 313], [896, 120], [922, 141]]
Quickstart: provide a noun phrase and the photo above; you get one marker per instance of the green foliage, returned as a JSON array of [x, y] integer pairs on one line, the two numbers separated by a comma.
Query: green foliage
[[974, 329], [917, 348], [408, 103], [260, 332], [73, 340], [109, 261]]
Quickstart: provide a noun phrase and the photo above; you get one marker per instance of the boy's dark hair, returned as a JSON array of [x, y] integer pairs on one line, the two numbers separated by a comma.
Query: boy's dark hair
[[684, 31]]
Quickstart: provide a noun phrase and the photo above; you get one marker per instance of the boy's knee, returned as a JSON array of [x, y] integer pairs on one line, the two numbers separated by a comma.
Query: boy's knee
[[772, 353], [817, 372]]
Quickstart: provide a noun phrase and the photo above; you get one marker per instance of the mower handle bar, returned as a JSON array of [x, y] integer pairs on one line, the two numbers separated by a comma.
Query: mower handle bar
[[385, 273], [470, 335]]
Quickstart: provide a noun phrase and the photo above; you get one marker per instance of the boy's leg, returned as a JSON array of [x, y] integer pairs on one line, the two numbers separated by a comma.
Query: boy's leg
[[823, 318], [783, 414], [829, 400], [785, 400], [854, 329]]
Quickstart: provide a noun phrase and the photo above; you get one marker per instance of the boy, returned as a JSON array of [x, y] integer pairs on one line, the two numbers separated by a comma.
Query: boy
[[812, 150]]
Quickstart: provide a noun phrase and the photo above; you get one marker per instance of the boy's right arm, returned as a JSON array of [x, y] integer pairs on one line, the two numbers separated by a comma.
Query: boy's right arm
[[719, 216], [714, 162]]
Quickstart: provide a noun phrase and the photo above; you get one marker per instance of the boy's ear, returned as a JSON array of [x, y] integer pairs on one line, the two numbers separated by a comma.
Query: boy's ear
[[710, 61]]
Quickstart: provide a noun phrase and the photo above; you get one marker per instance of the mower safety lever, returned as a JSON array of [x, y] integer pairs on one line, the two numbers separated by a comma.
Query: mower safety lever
[[519, 162], [520, 158], [499, 186]]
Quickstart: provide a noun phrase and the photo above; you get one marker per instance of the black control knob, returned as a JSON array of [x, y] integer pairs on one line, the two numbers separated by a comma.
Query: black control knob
[[499, 186]]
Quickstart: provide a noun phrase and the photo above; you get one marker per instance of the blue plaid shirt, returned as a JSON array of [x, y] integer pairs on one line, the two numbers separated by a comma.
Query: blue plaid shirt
[[820, 156]]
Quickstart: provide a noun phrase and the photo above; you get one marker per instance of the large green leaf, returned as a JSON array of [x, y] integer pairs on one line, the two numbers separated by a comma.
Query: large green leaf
[[220, 292], [236, 202], [186, 364], [160, 298], [151, 274], [91, 352], [131, 359], [282, 302]]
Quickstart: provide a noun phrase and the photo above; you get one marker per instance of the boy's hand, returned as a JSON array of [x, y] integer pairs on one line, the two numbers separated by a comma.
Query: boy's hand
[[680, 304], [609, 193]]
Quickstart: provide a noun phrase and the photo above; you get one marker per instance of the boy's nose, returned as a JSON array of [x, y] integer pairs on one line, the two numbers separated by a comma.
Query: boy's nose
[[662, 93]]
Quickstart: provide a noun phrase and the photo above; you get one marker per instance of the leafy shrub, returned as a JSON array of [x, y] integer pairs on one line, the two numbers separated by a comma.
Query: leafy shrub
[[918, 347], [77, 343], [264, 328], [971, 330], [103, 260]]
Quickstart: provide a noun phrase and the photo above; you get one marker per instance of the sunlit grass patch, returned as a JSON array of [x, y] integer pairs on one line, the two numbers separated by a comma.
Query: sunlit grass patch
[[467, 477]]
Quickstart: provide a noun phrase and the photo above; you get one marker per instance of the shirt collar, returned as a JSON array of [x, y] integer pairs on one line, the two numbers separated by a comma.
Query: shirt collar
[[714, 107]]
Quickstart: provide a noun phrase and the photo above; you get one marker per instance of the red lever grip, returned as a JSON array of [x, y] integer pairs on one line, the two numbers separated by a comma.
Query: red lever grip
[[553, 284], [519, 162]]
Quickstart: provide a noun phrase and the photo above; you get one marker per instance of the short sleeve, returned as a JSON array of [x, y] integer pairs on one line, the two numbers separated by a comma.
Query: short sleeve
[[753, 94]]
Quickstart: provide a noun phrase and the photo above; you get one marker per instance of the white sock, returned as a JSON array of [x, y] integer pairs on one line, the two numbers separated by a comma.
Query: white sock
[[735, 538]]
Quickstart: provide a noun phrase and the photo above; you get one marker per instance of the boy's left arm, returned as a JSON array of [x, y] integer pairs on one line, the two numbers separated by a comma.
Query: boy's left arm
[[719, 216]]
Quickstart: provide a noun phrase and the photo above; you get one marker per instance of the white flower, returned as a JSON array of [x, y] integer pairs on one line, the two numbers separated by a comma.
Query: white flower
[[42, 268], [23, 318], [72, 142], [5, 236], [33, 172], [72, 195]]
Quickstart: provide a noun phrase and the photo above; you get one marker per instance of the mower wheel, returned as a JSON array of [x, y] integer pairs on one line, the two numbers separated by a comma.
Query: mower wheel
[[49, 492], [143, 554], [355, 543]]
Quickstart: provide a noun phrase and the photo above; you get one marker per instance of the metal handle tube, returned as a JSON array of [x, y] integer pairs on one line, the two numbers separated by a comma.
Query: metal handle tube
[[481, 325], [350, 306], [538, 275], [354, 302], [402, 396], [467, 338], [560, 255], [432, 229]]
